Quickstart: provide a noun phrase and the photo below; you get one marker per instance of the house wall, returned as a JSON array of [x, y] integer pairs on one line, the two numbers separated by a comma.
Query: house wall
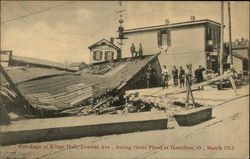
[[147, 39], [103, 49], [187, 47]]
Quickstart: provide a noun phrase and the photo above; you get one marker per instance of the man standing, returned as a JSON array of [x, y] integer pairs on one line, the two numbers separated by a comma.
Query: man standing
[[140, 51], [149, 75], [175, 75], [199, 74], [132, 49], [182, 77], [165, 77]]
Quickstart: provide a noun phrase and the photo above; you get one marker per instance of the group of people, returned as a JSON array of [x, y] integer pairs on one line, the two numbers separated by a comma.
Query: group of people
[[181, 77], [135, 53]]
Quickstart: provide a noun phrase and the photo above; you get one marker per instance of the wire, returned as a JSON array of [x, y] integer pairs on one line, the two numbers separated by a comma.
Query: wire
[[59, 31], [33, 13], [37, 31]]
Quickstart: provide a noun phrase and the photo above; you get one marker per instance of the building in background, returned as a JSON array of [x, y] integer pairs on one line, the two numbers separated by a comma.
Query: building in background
[[104, 50], [240, 50], [8, 59], [194, 42], [5, 57]]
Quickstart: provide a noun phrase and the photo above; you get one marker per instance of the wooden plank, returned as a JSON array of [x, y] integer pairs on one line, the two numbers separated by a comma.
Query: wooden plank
[[80, 98]]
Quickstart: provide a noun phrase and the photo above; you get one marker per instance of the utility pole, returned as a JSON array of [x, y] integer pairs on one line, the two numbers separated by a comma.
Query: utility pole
[[221, 37], [121, 28], [230, 35]]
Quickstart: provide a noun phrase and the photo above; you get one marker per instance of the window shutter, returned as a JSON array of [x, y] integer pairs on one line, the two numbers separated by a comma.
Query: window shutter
[[159, 38], [94, 55], [169, 38], [100, 55]]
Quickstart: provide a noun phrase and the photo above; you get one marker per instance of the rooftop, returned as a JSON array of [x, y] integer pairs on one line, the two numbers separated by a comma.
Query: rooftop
[[172, 25], [105, 42], [30, 60]]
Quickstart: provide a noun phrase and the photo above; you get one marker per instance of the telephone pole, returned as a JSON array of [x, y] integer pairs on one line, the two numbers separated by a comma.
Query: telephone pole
[[121, 28], [221, 38], [230, 35]]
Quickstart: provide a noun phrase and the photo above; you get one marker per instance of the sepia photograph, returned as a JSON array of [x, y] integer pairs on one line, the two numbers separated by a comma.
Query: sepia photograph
[[124, 79]]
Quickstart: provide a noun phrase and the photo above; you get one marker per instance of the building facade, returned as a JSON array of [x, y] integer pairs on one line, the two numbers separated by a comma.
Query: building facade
[[193, 42], [103, 50]]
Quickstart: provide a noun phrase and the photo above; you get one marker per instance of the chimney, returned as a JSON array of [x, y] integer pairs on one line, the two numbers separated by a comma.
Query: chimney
[[192, 18], [112, 40], [167, 21]]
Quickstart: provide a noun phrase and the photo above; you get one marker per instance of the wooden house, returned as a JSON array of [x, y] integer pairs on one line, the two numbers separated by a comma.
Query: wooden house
[[103, 50]]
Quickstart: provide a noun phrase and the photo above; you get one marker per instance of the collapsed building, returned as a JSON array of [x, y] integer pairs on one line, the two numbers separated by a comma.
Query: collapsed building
[[45, 91]]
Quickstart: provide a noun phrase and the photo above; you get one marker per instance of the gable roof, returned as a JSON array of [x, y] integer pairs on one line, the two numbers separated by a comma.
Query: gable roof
[[106, 42], [182, 24], [23, 74]]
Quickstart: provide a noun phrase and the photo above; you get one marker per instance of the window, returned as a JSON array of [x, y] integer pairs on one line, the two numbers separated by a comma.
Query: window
[[164, 38], [209, 34], [109, 55], [213, 35], [97, 56]]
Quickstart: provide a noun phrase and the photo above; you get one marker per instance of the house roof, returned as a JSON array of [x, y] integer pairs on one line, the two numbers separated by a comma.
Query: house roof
[[77, 64], [182, 24], [60, 90], [99, 43], [22, 74], [40, 62]]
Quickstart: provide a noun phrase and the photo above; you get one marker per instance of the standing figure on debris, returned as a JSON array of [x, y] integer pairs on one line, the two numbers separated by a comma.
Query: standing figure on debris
[[132, 49], [150, 71], [165, 76], [182, 77], [175, 76], [140, 51]]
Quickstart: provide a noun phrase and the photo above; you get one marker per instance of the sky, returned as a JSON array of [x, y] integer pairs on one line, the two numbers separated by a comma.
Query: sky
[[61, 31]]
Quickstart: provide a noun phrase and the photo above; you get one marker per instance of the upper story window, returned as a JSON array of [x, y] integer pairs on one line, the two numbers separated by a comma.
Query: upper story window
[[97, 56], [109, 55], [164, 38]]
